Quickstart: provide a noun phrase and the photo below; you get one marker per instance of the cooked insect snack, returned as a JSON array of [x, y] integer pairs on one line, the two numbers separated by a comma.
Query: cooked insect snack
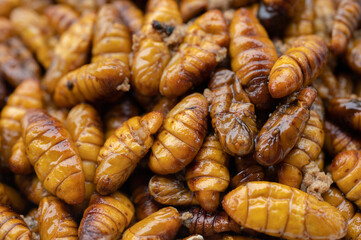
[[131, 15], [298, 67], [61, 17], [191, 8], [302, 22], [199, 221], [6, 6], [346, 111], [284, 128], [37, 5], [26, 96], [19, 162], [71, 52], [282, 211], [207, 176], [233, 116], [324, 11], [248, 170], [54, 155], [6, 29], [252, 56], [106, 217], [31, 187], [101, 81], [152, 55], [181, 137], [197, 56], [165, 105], [55, 220], [10, 197], [171, 190], [12, 225]]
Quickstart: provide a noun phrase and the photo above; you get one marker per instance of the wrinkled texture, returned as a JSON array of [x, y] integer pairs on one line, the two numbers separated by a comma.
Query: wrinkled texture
[[54, 155], [233, 116], [19, 162], [181, 135], [302, 22], [353, 53], [248, 170], [10, 197], [123, 150], [191, 8], [31, 187], [325, 11], [130, 14], [61, 17], [12, 225], [281, 211], [347, 111]]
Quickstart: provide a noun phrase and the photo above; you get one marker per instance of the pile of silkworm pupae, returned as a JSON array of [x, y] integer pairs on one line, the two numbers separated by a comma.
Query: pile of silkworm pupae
[[190, 119]]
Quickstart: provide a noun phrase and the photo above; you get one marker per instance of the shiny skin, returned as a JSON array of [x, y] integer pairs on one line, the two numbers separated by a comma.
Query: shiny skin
[[31, 187], [10, 197], [161, 225], [13, 226], [54, 155], [34, 31], [111, 37], [61, 17], [353, 53], [131, 15], [165, 105], [197, 55], [306, 149], [170, 190], [208, 176], [302, 22], [85, 127], [325, 11], [191, 8], [282, 211], [346, 111], [153, 55], [298, 66], [119, 113], [26, 96], [248, 170], [233, 116], [338, 140], [19, 162], [16, 62], [71, 52], [106, 217], [284, 128], [208, 224], [181, 136], [55, 220], [100, 81], [123, 150], [53, 110], [252, 56], [346, 168], [345, 23], [354, 228]]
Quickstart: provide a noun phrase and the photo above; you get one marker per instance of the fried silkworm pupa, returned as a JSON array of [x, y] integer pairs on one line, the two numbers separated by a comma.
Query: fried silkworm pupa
[[6, 6], [353, 53], [119, 113], [31, 187], [100, 81], [171, 190], [53, 110], [12, 225], [37, 5], [326, 84], [71, 52], [123, 150], [298, 67], [111, 37], [252, 56], [19, 162], [199, 221], [181, 137], [106, 217], [345, 23], [35, 32], [208, 176], [161, 225], [85, 126], [26, 96], [306, 149], [191, 8], [10, 197], [16, 62], [152, 54], [345, 86], [274, 15], [54, 155], [337, 140], [248, 170], [144, 203], [194, 237], [346, 111], [55, 221], [324, 11], [282, 211], [61, 17], [165, 105], [6, 29], [131, 15], [303, 20], [346, 168], [31, 219], [84, 6], [233, 116], [197, 55], [284, 128], [319, 108]]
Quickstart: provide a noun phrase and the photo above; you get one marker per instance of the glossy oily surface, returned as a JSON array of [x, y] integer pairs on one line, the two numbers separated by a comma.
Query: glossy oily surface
[[346, 111], [19, 162], [10, 197], [131, 15], [61, 17], [31, 187], [13, 226]]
